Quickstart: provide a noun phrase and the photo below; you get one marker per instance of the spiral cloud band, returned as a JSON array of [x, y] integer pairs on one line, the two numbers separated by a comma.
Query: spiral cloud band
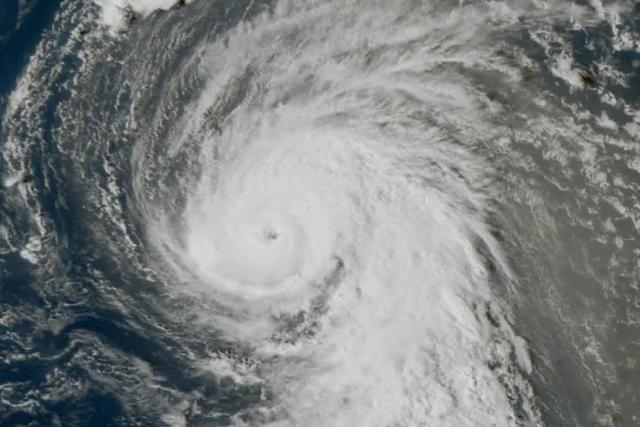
[[334, 216], [320, 213]]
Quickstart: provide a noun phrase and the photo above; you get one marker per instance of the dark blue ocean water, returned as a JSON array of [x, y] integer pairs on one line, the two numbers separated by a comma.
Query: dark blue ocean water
[[56, 323], [21, 24], [89, 338]]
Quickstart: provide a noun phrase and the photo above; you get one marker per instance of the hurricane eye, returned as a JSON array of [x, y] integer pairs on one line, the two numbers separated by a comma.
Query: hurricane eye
[[269, 234]]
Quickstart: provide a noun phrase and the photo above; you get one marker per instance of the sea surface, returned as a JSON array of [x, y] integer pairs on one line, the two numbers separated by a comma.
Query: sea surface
[[319, 213]]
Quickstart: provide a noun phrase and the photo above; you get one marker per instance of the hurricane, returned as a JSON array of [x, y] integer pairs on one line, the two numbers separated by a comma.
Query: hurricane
[[321, 213]]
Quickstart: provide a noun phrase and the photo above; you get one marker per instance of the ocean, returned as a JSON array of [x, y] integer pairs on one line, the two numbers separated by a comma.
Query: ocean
[[319, 213]]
